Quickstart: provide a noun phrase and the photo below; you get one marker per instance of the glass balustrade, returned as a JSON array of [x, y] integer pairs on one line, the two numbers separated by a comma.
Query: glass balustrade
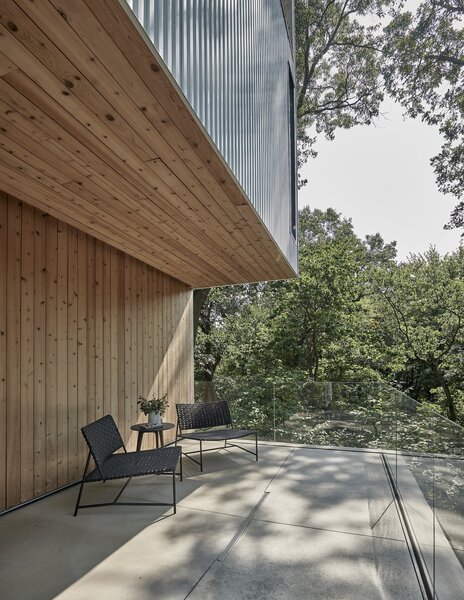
[[417, 451]]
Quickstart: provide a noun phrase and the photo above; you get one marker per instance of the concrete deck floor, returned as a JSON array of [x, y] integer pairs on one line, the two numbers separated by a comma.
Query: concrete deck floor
[[320, 524]]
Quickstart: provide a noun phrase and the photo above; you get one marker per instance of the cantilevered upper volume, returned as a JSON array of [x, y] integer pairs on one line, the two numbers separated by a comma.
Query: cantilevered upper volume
[[165, 130]]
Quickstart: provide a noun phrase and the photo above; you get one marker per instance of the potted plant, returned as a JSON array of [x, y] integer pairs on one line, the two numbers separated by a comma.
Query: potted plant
[[154, 408]]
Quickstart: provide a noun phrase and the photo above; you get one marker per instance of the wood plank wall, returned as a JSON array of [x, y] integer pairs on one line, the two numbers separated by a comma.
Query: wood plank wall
[[84, 329]]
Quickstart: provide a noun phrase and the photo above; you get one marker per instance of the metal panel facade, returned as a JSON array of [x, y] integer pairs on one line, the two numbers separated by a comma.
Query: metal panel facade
[[232, 60]]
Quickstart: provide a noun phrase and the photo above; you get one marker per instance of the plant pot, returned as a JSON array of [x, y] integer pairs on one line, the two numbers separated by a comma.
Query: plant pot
[[154, 418]]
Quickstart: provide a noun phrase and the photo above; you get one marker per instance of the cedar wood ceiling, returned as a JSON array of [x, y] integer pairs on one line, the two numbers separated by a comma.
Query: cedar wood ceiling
[[94, 131]]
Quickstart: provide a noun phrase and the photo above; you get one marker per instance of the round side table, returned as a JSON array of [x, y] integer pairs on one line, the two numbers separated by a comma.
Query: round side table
[[156, 429]]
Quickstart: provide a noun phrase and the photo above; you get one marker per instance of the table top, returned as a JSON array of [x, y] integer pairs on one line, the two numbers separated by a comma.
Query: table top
[[153, 428]]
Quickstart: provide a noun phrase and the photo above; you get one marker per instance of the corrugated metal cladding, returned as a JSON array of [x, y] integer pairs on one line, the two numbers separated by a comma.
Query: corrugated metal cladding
[[231, 59]]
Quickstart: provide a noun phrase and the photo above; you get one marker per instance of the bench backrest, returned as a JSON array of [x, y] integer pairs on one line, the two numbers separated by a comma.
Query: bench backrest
[[203, 414], [103, 439]]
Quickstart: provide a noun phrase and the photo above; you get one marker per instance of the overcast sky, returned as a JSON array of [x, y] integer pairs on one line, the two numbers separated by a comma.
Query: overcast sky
[[381, 178]]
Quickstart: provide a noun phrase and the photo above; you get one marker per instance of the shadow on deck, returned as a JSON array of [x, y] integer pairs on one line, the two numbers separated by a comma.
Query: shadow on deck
[[301, 523]]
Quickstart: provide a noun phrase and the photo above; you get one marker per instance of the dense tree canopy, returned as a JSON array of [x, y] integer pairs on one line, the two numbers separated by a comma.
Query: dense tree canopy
[[354, 314], [351, 52], [422, 302], [338, 72], [424, 71]]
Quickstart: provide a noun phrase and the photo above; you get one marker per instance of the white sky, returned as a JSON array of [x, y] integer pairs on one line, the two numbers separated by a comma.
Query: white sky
[[380, 177]]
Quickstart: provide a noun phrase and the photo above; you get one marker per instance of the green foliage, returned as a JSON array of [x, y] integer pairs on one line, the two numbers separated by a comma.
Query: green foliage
[[354, 314], [349, 53], [422, 303], [154, 404], [338, 74], [312, 311], [321, 320], [219, 325], [423, 70]]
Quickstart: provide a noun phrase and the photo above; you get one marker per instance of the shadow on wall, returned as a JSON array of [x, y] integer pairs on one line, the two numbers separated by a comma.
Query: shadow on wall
[[87, 330]]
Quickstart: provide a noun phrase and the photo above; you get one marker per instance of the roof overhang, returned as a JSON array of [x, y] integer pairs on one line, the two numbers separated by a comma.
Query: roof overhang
[[96, 132]]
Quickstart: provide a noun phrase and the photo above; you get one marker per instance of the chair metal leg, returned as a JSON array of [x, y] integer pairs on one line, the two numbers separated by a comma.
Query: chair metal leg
[[82, 485], [256, 445], [201, 457], [181, 473], [121, 490], [79, 497], [174, 491]]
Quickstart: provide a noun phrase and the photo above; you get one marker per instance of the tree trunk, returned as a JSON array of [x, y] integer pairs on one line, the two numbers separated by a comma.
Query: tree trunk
[[199, 298], [209, 390], [449, 399]]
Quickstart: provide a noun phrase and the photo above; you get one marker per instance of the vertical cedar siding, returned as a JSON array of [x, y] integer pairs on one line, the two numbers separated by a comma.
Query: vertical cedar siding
[[84, 329]]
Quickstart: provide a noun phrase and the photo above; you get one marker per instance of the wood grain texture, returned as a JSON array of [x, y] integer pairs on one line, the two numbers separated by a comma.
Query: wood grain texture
[[27, 350], [51, 355], [96, 132], [62, 352], [3, 322], [84, 329], [40, 352], [13, 354]]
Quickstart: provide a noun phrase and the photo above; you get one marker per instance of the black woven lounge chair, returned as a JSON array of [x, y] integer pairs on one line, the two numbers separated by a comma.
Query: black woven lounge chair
[[103, 440], [203, 415]]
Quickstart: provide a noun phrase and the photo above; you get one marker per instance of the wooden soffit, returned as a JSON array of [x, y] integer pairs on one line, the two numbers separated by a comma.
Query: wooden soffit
[[94, 131]]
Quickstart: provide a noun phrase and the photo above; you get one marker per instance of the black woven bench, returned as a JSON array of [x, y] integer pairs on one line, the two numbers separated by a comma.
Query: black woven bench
[[104, 440], [207, 415]]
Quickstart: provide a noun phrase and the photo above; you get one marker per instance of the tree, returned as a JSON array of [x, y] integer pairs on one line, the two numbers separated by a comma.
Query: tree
[[309, 328], [344, 68], [319, 326], [322, 324], [313, 311], [423, 71], [354, 314], [337, 67], [217, 315], [423, 304]]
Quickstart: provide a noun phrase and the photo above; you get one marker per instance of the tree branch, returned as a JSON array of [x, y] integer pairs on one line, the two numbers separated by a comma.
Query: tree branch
[[364, 46], [452, 340], [310, 70], [453, 8], [446, 58]]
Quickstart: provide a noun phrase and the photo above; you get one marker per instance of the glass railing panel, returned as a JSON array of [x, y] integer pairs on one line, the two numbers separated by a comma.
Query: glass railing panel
[[420, 450], [416, 444], [351, 415], [448, 502], [251, 402], [430, 481]]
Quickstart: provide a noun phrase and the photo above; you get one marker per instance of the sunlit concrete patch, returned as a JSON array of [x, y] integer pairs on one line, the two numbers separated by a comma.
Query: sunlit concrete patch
[[162, 561], [278, 562], [231, 457], [397, 578], [294, 546], [383, 513], [44, 549], [232, 481], [90, 555], [319, 488]]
